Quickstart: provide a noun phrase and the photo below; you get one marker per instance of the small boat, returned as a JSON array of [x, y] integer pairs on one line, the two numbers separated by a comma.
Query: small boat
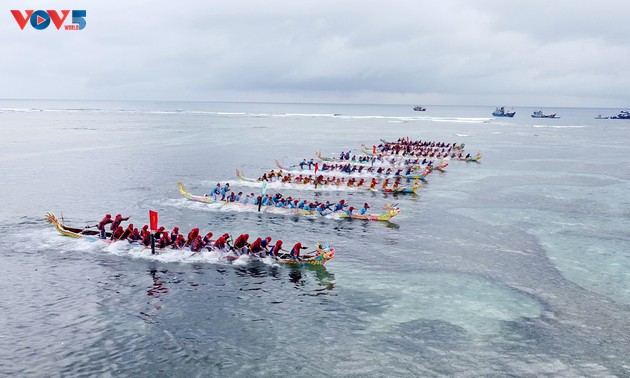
[[539, 114], [601, 117], [419, 109], [320, 256], [391, 212], [500, 112], [472, 159]]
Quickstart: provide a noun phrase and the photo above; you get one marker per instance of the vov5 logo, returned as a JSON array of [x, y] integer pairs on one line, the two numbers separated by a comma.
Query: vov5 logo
[[41, 19]]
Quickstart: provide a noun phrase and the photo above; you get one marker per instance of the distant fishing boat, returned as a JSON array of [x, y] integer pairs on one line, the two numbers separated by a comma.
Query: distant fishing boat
[[539, 114], [419, 108], [622, 115], [500, 112]]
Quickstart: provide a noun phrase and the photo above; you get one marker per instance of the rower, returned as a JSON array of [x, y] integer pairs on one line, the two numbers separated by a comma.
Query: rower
[[101, 225], [206, 239], [146, 236], [216, 191], [240, 244], [118, 232], [265, 244], [134, 236], [192, 235], [164, 241], [275, 250], [221, 242], [339, 206], [231, 197], [256, 247], [224, 190], [364, 209], [119, 218], [158, 233], [372, 183], [127, 233], [321, 208], [174, 233], [295, 251], [179, 242], [197, 244]]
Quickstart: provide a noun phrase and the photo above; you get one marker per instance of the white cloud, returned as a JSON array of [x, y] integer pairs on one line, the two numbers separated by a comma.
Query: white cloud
[[561, 53]]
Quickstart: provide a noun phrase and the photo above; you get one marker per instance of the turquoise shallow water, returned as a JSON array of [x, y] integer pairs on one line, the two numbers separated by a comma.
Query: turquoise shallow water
[[516, 266]]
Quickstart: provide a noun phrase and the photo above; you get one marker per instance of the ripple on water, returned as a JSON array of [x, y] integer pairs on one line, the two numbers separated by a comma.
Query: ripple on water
[[475, 304], [592, 252]]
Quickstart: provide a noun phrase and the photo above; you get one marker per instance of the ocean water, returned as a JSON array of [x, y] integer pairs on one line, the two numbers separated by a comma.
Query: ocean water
[[517, 266]]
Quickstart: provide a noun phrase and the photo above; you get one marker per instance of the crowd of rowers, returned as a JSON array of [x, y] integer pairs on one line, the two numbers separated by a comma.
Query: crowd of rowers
[[352, 182], [407, 147], [220, 193], [353, 168], [193, 240], [375, 159]]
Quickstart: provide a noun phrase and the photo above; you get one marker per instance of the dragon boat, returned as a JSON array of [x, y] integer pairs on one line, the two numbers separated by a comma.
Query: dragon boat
[[458, 156], [455, 146], [320, 256], [291, 185], [374, 161], [391, 161], [336, 172], [391, 212]]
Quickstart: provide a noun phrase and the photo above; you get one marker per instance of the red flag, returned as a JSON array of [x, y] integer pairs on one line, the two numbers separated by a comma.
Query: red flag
[[153, 220]]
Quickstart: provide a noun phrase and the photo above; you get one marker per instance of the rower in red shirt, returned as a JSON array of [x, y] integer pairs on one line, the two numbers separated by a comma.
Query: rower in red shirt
[[295, 251], [101, 225]]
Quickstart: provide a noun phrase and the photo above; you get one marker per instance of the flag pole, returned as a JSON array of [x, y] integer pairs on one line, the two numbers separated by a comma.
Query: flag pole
[[153, 225]]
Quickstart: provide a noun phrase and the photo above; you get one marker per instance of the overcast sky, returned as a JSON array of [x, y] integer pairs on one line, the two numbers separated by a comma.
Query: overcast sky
[[450, 52]]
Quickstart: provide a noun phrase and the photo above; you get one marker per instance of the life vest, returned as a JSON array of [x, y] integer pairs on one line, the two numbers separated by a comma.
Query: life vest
[[118, 233], [256, 245], [104, 221], [206, 239], [241, 241], [276, 248], [295, 251], [220, 243], [197, 244]]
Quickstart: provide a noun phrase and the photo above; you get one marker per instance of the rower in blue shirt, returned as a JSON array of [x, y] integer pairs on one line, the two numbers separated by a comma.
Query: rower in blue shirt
[[339, 206], [224, 190], [364, 209], [216, 191]]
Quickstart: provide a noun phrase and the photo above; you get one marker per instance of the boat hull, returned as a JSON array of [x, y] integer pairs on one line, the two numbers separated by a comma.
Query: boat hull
[[509, 115]]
